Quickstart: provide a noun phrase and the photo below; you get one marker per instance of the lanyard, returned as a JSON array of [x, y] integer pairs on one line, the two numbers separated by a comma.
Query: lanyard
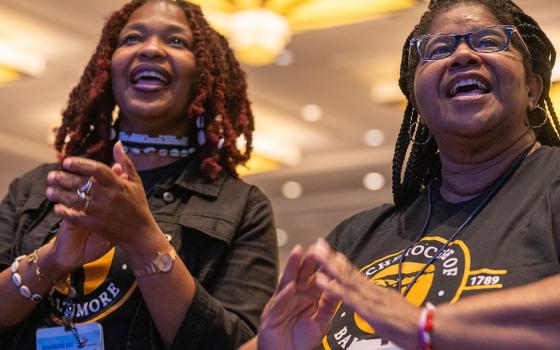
[[495, 187]]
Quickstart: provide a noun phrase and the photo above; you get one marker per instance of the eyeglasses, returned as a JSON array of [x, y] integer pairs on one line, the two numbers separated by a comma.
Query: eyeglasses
[[432, 47]]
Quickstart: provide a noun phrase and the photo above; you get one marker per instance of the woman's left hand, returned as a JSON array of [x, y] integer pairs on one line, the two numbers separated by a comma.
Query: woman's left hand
[[117, 208]]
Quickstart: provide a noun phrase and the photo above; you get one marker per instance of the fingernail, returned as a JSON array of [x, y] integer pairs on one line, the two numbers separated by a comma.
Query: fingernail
[[66, 163], [49, 192], [50, 177]]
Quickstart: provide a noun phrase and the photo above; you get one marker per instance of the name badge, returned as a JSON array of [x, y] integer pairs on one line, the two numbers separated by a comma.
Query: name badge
[[88, 336]]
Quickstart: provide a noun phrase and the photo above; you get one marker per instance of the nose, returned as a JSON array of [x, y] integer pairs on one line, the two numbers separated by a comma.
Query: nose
[[152, 49], [464, 56]]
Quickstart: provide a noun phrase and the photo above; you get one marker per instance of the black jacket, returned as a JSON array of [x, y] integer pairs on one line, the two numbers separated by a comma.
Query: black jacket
[[223, 231]]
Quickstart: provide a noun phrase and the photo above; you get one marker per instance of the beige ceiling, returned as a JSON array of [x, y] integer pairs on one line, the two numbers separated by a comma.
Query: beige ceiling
[[334, 68]]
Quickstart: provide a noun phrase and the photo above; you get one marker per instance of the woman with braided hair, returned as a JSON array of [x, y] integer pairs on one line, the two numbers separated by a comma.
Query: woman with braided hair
[[142, 236], [476, 212]]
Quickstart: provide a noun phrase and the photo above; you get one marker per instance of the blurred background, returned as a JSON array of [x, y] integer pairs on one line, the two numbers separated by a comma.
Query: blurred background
[[322, 77]]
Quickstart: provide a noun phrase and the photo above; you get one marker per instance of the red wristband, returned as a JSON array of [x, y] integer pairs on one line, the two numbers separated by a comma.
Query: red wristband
[[426, 327]]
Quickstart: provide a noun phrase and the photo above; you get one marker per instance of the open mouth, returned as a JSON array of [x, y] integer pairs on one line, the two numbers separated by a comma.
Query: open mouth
[[468, 87], [149, 78]]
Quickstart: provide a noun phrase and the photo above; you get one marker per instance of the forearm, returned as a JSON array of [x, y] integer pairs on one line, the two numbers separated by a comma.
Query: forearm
[[167, 295], [520, 318]]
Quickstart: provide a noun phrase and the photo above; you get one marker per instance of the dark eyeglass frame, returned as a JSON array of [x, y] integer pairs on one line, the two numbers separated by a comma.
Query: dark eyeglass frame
[[457, 38]]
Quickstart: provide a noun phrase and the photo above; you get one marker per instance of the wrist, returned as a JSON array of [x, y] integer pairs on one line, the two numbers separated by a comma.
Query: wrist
[[47, 263], [144, 250], [426, 327]]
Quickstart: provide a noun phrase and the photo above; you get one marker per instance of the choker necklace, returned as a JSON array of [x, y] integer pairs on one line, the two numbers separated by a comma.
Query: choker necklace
[[163, 145], [493, 190]]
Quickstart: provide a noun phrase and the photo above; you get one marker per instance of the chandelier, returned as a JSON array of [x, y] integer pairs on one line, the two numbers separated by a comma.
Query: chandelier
[[258, 30]]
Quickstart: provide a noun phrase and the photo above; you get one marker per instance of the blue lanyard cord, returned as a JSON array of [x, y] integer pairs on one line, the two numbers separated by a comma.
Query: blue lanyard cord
[[498, 184]]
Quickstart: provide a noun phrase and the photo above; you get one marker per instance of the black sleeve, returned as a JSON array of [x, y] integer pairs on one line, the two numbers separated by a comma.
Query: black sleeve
[[229, 315], [7, 225], [350, 231]]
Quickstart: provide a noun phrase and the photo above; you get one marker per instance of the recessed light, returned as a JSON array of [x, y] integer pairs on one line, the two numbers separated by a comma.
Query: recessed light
[[311, 113], [282, 237], [292, 190], [374, 181], [374, 137], [285, 58]]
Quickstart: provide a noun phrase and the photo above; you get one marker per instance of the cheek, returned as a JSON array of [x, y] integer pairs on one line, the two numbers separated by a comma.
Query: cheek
[[425, 88]]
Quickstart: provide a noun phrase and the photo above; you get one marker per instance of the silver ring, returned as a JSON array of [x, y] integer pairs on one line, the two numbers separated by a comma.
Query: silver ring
[[83, 195], [86, 205], [86, 187]]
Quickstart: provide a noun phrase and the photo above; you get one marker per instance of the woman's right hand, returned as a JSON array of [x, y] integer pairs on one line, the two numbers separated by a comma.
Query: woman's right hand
[[298, 314]]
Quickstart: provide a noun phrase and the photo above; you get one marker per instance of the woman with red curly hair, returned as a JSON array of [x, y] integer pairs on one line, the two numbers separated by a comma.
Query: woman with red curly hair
[[142, 237]]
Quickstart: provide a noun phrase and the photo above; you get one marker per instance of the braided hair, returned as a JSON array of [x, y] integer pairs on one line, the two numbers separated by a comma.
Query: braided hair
[[423, 165], [219, 89]]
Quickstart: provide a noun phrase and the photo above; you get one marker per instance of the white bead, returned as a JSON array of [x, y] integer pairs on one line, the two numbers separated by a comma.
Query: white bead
[[200, 122], [221, 141], [149, 150], [184, 153], [135, 151], [16, 278], [192, 150], [25, 291], [125, 149], [174, 153], [15, 266], [163, 152], [201, 137]]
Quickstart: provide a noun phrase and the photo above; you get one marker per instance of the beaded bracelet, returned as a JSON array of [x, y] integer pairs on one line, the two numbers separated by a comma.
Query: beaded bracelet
[[426, 327], [18, 282]]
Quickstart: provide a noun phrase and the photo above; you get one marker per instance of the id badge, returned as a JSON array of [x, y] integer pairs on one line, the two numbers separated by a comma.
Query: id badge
[[55, 338]]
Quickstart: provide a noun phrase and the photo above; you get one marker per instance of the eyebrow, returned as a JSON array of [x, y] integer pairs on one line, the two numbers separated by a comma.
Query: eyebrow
[[173, 28]]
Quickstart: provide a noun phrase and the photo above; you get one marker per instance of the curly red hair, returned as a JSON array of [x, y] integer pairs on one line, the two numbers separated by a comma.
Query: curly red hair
[[219, 88]]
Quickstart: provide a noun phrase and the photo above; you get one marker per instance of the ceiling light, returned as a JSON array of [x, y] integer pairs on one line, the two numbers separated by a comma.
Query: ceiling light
[[258, 35], [374, 181], [282, 237], [311, 113], [386, 93], [15, 63], [269, 154], [292, 190], [260, 29], [374, 137], [285, 58]]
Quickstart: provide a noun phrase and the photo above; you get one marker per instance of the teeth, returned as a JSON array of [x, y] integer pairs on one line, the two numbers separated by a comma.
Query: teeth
[[150, 74], [467, 82]]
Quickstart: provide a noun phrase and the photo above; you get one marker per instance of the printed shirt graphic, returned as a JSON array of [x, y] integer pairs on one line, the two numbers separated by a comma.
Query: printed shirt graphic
[[443, 281], [513, 241], [102, 287]]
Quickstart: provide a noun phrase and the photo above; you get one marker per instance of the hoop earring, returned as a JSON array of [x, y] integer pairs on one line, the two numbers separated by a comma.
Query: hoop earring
[[543, 113], [411, 129]]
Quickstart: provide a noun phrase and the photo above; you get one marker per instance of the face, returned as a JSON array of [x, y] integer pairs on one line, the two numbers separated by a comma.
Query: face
[[152, 70], [495, 93]]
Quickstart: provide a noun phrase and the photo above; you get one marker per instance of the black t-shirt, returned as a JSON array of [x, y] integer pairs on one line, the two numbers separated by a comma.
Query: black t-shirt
[[106, 289], [511, 242]]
